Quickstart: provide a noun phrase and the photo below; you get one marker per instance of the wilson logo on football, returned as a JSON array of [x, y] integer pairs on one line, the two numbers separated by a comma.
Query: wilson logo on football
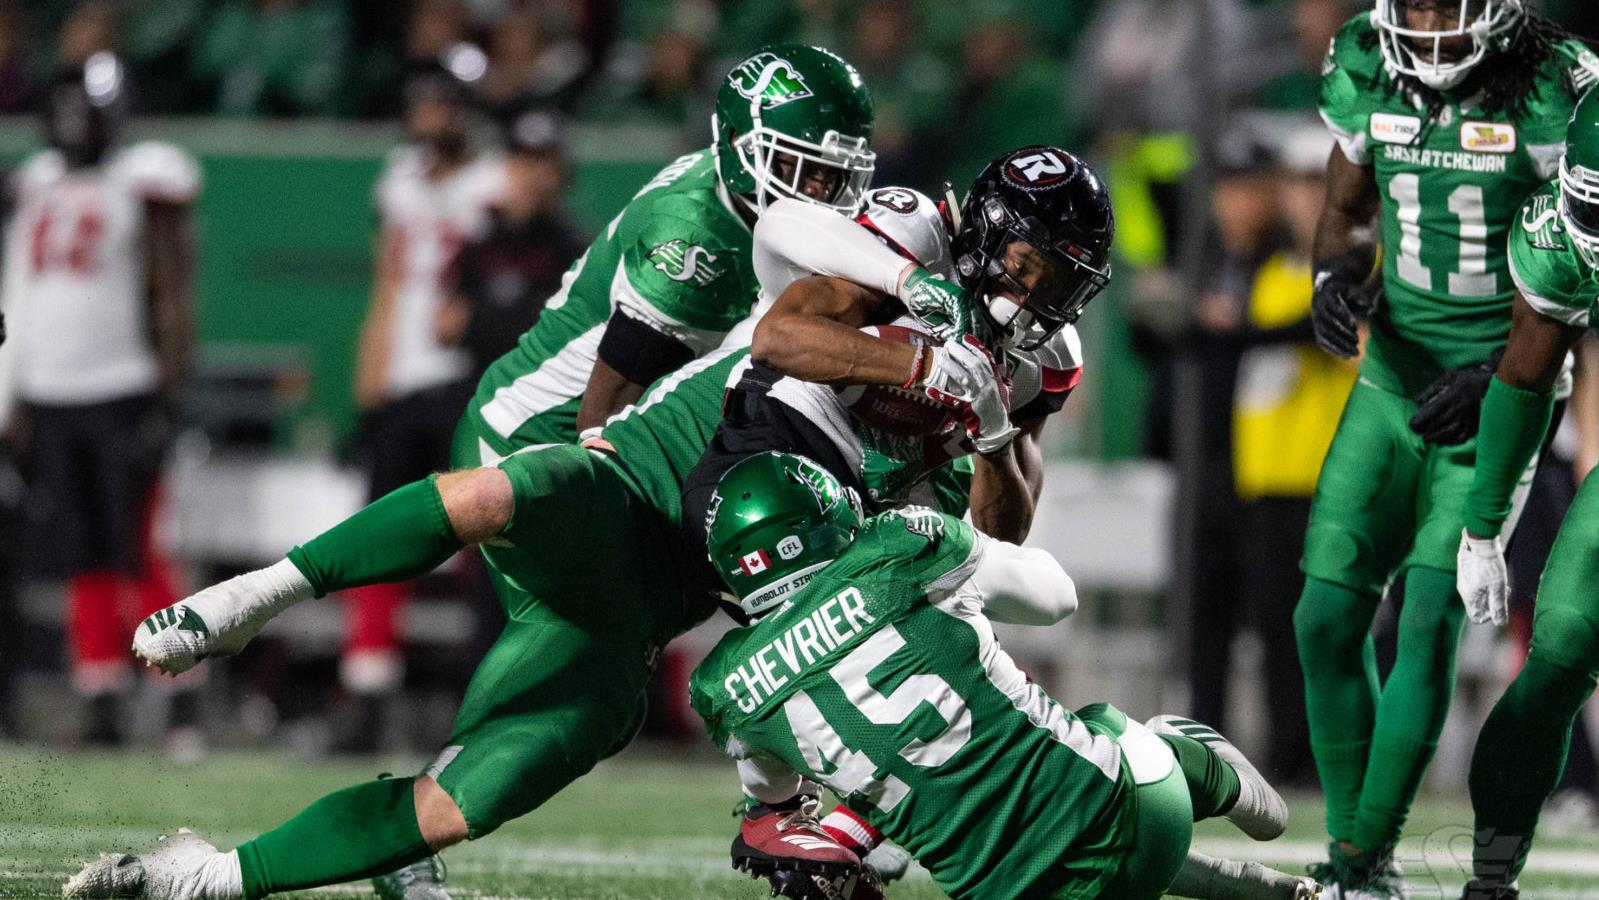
[[755, 563], [681, 261], [770, 79], [1039, 169]]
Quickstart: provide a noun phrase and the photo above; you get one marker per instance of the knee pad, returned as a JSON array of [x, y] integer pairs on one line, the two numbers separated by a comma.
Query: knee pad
[[1330, 614], [1567, 638]]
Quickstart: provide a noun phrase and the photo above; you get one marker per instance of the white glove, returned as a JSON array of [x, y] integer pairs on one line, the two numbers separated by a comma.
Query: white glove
[[963, 375], [1481, 579]]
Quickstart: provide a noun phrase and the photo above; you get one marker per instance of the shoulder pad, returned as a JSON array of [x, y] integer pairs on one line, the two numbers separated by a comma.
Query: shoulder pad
[[159, 171], [1543, 264], [39, 171], [912, 225]]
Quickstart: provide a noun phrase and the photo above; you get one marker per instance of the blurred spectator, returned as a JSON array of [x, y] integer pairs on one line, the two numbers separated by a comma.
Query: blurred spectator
[[1008, 96], [16, 85], [537, 56], [432, 198], [378, 78], [506, 275], [1290, 397], [98, 277], [157, 40], [274, 57], [910, 91], [1315, 24], [669, 91], [89, 29]]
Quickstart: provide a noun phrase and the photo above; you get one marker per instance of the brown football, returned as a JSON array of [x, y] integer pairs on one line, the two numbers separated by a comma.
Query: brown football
[[894, 409]]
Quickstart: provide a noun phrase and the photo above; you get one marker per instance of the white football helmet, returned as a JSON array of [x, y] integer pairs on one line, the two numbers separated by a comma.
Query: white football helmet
[[1490, 24]]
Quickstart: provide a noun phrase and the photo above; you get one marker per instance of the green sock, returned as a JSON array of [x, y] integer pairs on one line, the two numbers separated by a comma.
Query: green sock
[[1212, 781], [351, 834], [1517, 764], [1414, 703], [397, 537], [1332, 625]]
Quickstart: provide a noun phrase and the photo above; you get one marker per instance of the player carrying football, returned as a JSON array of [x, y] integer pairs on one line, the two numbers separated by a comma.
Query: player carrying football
[[880, 677], [1554, 257], [1448, 113]]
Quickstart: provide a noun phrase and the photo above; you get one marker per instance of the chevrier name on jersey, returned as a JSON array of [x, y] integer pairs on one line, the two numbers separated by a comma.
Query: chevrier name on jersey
[[805, 642]]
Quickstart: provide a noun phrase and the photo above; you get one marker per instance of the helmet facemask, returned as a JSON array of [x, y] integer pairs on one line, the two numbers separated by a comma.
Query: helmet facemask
[[1579, 210], [765, 153], [1026, 317], [1488, 24]]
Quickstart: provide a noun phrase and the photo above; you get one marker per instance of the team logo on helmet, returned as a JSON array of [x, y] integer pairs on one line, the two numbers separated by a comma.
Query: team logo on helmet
[[823, 485], [681, 261], [769, 79], [897, 199], [1037, 169]]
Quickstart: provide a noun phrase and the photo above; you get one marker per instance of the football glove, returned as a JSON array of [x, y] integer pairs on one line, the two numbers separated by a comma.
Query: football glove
[[1481, 579], [1336, 308], [940, 305], [964, 375], [1447, 410]]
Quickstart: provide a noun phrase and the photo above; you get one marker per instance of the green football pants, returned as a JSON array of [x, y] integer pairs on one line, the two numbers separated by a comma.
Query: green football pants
[[590, 588]]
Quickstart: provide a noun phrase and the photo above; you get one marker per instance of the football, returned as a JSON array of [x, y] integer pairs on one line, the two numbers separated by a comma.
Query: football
[[894, 409]]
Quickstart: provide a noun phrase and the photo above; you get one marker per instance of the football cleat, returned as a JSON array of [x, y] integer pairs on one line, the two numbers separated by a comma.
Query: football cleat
[[786, 845], [1346, 879], [1260, 811], [173, 870], [218, 621], [421, 880]]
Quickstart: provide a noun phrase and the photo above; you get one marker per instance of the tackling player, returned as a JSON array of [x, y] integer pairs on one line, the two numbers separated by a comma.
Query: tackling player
[[1447, 113], [671, 274], [97, 278], [1554, 257], [878, 675]]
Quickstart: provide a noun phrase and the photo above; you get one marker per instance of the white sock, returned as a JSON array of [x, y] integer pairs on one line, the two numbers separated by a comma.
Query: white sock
[[1208, 878], [220, 878]]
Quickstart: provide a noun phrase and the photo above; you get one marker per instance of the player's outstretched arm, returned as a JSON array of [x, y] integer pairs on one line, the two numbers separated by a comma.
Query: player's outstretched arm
[[398, 537], [1006, 486], [1020, 585]]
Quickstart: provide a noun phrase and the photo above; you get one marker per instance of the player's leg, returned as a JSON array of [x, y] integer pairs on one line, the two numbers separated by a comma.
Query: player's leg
[[1522, 748], [1360, 525]]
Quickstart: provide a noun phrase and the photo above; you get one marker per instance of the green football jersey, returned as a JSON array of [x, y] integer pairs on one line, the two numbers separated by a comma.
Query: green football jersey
[[1547, 268], [881, 682], [1450, 187], [677, 259]]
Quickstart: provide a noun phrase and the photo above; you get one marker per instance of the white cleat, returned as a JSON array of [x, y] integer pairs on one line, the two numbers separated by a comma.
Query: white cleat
[[1260, 811], [175, 869], [218, 621]]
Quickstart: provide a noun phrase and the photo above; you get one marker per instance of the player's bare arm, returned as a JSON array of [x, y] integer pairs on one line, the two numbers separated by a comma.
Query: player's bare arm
[[813, 333], [1537, 348], [608, 391], [372, 355], [1345, 251], [169, 251], [1006, 486]]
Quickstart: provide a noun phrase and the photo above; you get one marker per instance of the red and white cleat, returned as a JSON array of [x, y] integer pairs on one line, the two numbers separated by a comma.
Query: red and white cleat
[[786, 845]]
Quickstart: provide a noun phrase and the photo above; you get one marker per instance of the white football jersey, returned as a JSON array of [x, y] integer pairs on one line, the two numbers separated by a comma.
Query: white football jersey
[[427, 222], [74, 281], [909, 223]]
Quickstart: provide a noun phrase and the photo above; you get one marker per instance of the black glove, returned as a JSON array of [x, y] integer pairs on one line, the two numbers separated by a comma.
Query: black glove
[[1447, 410], [1337, 306]]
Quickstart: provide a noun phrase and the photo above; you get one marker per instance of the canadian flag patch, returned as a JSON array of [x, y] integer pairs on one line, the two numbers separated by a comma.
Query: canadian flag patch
[[755, 563]]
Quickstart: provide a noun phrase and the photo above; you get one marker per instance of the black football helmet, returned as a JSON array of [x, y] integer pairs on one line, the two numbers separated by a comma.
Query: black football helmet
[[84, 107], [1053, 201]]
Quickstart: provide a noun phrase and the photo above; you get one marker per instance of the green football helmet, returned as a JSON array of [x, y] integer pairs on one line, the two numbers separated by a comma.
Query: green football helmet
[[775, 520], [790, 113], [1579, 180]]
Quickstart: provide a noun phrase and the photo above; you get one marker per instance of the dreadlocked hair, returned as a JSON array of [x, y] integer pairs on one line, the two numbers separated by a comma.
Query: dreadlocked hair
[[1507, 78]]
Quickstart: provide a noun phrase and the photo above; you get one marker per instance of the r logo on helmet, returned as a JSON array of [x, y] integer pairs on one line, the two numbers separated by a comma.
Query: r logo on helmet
[[1037, 170], [770, 79]]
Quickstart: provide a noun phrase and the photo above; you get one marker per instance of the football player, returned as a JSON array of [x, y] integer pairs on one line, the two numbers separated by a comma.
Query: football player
[[879, 676], [433, 196], [98, 275], [1554, 259], [562, 687], [1447, 114]]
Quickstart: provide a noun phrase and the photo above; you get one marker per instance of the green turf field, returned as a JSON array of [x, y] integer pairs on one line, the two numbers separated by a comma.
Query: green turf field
[[652, 823]]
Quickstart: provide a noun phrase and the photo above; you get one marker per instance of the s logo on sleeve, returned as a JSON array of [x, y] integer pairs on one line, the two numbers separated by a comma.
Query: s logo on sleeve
[[682, 261]]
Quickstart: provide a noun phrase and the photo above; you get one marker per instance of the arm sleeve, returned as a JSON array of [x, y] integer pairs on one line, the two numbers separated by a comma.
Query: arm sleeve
[[1512, 429], [638, 352], [1020, 585], [794, 238]]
